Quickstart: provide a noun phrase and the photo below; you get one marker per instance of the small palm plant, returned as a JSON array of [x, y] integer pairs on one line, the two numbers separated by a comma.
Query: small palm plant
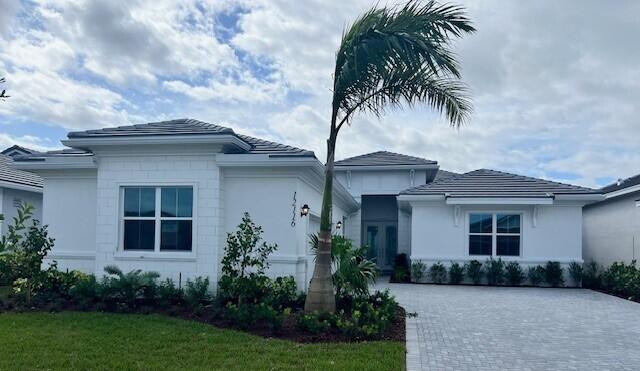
[[129, 288], [390, 56]]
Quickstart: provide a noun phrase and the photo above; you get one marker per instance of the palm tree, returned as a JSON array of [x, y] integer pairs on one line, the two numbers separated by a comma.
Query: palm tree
[[389, 57]]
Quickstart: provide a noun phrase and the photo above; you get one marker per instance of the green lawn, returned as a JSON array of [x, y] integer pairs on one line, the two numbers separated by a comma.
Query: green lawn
[[100, 341]]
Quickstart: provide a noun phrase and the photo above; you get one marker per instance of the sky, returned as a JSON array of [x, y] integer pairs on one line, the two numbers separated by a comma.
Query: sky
[[555, 85]]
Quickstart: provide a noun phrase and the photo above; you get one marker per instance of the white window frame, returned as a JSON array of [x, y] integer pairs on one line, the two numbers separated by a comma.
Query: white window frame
[[494, 232], [158, 218]]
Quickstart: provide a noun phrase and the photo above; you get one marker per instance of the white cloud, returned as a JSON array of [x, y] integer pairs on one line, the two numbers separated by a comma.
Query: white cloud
[[555, 85], [28, 141]]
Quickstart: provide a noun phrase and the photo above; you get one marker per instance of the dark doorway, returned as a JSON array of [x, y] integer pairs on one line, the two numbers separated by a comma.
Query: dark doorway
[[380, 229]]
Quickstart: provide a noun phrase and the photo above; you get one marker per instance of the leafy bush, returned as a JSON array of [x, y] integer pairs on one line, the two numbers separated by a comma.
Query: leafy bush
[[575, 271], [535, 274], [169, 293], [196, 293], [554, 274], [87, 290], [23, 249], [456, 273], [283, 293], [247, 315], [353, 272], [315, 323], [401, 269], [622, 279], [244, 263], [129, 288], [438, 273], [591, 276], [474, 271], [514, 274], [494, 271], [418, 270], [367, 317]]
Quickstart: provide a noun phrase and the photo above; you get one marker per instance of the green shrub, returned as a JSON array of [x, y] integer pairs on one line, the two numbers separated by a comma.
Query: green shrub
[[353, 272], [169, 293], [623, 280], [474, 271], [129, 288], [554, 274], [591, 276], [438, 273], [418, 270], [315, 323], [494, 271], [244, 263], [196, 292], [401, 269], [514, 274], [86, 291], [575, 271], [248, 315], [535, 274], [283, 293], [456, 273], [367, 317]]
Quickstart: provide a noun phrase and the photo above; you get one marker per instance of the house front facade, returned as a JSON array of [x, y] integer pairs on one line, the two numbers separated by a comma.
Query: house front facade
[[162, 197], [612, 226]]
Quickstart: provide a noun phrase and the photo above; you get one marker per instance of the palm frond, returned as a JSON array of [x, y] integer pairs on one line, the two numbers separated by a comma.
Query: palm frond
[[397, 55]]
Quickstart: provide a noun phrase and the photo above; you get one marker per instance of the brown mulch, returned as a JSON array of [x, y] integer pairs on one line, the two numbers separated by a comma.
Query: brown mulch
[[288, 331]]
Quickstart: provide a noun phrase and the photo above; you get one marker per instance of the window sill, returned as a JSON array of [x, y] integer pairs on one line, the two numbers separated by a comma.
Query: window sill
[[155, 256]]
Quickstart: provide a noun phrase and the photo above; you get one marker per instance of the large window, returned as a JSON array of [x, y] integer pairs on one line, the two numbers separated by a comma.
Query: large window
[[494, 234], [157, 218]]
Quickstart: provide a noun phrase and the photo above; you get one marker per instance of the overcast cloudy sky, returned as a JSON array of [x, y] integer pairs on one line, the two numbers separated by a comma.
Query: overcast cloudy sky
[[555, 84]]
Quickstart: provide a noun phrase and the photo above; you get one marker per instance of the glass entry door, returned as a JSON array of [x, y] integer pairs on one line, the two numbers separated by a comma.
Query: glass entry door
[[381, 239]]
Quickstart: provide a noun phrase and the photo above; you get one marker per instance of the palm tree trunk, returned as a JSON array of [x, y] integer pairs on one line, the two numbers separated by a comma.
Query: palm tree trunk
[[321, 297]]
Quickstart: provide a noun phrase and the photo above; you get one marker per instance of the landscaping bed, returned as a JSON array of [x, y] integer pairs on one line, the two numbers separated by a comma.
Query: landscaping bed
[[104, 341], [246, 298]]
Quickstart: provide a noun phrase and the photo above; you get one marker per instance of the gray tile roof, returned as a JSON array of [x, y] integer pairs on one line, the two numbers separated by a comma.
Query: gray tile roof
[[384, 158], [625, 183], [17, 150], [188, 127], [19, 177], [443, 174], [492, 183]]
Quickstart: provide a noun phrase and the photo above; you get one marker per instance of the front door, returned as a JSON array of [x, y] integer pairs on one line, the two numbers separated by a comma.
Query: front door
[[382, 243]]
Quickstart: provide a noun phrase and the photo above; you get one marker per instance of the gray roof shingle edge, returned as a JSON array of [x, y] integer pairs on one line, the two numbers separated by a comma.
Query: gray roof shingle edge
[[383, 158], [625, 183], [19, 177], [175, 127], [493, 183]]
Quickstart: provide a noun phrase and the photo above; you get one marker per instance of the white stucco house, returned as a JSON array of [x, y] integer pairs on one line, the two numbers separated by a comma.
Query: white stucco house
[[612, 227], [162, 196], [17, 187]]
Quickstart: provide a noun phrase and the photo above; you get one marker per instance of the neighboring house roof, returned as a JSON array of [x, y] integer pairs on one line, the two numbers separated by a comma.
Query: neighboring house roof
[[621, 185], [492, 183], [17, 150], [383, 158], [444, 174], [178, 127], [10, 176]]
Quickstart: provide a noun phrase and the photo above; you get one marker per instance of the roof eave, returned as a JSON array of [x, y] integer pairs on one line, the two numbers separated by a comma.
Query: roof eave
[[385, 167], [91, 142], [20, 186]]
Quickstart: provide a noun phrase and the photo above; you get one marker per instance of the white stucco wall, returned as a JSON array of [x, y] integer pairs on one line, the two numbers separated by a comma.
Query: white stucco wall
[[198, 170], [69, 209], [268, 195], [612, 230], [9, 198], [557, 235], [380, 182]]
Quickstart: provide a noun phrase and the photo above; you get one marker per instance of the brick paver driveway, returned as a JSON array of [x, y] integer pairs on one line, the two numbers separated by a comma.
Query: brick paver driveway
[[499, 328]]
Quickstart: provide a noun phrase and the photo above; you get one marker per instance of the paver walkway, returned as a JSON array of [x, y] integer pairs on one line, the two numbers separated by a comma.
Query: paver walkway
[[500, 328]]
